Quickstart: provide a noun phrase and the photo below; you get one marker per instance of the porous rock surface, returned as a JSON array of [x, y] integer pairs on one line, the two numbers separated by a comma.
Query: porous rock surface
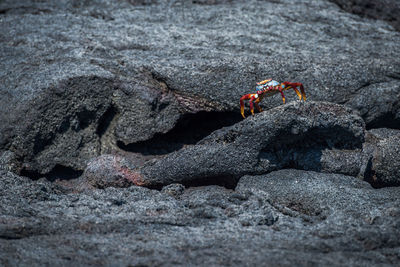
[[80, 79], [297, 135], [98, 97], [276, 219], [380, 9], [382, 148]]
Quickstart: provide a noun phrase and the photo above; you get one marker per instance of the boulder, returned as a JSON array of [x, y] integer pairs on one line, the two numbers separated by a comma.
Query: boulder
[[109, 170], [310, 136]]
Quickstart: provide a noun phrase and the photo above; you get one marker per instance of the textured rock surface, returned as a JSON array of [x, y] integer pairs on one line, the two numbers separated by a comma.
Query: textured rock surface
[[280, 218], [297, 135], [109, 170], [132, 91], [381, 9], [383, 150], [137, 67]]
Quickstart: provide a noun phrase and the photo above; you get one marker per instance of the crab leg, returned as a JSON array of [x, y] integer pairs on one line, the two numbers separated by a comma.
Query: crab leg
[[245, 97], [283, 96], [251, 106], [289, 85], [297, 92], [242, 106], [254, 99], [258, 106], [302, 91], [294, 86]]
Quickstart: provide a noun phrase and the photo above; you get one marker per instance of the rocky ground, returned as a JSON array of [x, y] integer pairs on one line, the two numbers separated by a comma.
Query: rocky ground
[[122, 143]]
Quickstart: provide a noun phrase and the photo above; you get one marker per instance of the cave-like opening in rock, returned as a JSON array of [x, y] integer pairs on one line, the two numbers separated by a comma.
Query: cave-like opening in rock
[[189, 129], [59, 172]]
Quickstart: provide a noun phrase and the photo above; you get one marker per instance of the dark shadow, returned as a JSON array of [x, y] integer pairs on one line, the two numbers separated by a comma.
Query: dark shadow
[[59, 172], [189, 129], [228, 182], [300, 158], [387, 120], [304, 151], [369, 175], [105, 121]]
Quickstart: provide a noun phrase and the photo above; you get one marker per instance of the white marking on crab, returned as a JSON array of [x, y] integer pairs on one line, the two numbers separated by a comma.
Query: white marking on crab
[[272, 83]]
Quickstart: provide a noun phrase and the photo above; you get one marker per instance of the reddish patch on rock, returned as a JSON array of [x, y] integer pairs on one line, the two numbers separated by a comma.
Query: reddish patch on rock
[[133, 176], [111, 170]]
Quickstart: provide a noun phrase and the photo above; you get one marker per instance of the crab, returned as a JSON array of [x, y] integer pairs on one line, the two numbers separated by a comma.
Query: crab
[[270, 87]]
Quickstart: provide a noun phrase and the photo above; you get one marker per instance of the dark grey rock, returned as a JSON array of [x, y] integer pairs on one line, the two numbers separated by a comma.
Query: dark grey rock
[[378, 104], [175, 190], [331, 203], [59, 126], [83, 79], [76, 121], [342, 161], [383, 150], [305, 135], [280, 218], [9, 161], [109, 170], [381, 133], [382, 9]]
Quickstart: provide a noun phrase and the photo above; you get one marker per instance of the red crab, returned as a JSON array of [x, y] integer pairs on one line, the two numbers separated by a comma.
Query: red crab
[[270, 87]]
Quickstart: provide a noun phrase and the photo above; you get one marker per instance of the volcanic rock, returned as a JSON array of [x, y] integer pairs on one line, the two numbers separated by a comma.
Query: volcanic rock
[[300, 135], [97, 97]]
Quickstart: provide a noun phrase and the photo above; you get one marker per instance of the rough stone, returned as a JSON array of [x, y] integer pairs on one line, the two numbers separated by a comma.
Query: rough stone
[[383, 150], [174, 190], [382, 9], [72, 91], [109, 170], [378, 104], [136, 80], [285, 217], [302, 135], [331, 203]]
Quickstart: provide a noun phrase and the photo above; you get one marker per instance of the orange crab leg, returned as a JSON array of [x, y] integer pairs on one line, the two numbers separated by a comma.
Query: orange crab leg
[[245, 97], [302, 92], [297, 92], [251, 106], [294, 86]]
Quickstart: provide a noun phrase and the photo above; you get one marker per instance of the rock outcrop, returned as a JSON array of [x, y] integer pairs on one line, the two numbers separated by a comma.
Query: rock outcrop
[[121, 140]]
